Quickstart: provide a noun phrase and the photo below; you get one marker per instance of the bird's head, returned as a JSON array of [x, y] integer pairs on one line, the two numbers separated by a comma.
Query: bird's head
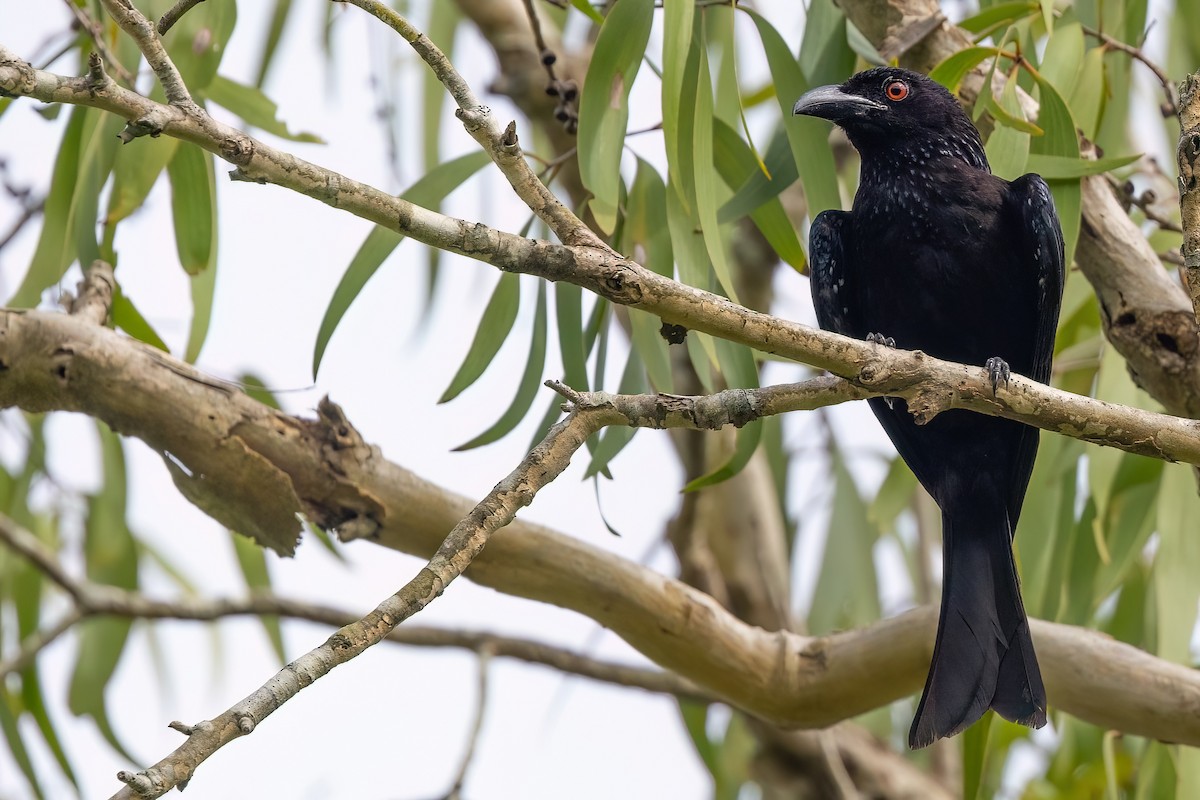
[[886, 109]]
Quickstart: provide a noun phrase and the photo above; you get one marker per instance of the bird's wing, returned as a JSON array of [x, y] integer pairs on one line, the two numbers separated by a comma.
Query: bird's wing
[[833, 295], [1040, 249]]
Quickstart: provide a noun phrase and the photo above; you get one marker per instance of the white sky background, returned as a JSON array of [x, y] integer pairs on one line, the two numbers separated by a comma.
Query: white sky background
[[393, 722]]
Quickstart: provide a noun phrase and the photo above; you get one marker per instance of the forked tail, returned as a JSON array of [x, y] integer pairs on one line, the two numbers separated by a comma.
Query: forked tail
[[983, 656]]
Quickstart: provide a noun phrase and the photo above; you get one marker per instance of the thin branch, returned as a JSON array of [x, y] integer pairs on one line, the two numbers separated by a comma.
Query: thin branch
[[174, 13], [95, 298], [1169, 108], [501, 145], [485, 660], [97, 36], [543, 464], [145, 35], [342, 482], [930, 385], [567, 110], [38, 641], [1188, 160], [1145, 202]]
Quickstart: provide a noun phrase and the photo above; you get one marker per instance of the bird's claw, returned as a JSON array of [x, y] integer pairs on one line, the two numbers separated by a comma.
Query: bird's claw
[[879, 338], [886, 341], [998, 371]]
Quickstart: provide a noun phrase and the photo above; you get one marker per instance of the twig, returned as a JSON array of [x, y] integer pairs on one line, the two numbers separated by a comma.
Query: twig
[[1169, 108], [485, 659], [174, 13], [1145, 202], [543, 464], [1188, 161], [95, 293], [501, 145], [97, 35], [37, 641], [143, 32], [567, 110]]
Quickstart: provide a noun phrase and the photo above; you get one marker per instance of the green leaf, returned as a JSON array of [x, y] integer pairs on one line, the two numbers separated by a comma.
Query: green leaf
[[279, 18], [9, 714], [71, 206], [1063, 57], [193, 203], [1060, 140], [136, 169], [1064, 167], [808, 137], [204, 287], [1176, 564], [494, 327], [604, 104], [738, 366], [706, 181], [847, 594], [429, 191], [954, 68], [680, 62], [252, 561], [975, 756], [197, 43], [568, 307], [998, 14], [254, 107], [530, 381], [1008, 147], [126, 317], [734, 160], [588, 11], [825, 55], [895, 494], [110, 555], [758, 188]]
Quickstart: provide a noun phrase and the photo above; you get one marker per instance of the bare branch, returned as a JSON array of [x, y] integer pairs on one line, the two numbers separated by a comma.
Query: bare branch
[[38, 641], [543, 464], [85, 21], [501, 145], [174, 14], [781, 677], [95, 294], [143, 32], [1188, 156], [1169, 108], [485, 660]]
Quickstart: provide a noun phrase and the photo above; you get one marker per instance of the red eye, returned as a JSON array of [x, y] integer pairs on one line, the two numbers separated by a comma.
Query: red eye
[[896, 91]]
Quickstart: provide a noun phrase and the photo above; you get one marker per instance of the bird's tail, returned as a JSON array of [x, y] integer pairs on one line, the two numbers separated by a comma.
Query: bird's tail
[[983, 656]]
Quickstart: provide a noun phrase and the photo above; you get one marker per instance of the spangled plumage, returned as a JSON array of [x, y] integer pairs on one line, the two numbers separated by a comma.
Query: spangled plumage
[[942, 256]]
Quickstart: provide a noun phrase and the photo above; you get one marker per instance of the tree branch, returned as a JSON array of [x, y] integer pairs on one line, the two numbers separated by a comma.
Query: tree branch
[[1188, 155], [543, 464], [339, 481], [477, 118], [931, 385], [146, 36]]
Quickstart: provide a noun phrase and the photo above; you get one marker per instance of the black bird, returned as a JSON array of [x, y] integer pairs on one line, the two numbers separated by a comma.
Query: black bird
[[940, 255]]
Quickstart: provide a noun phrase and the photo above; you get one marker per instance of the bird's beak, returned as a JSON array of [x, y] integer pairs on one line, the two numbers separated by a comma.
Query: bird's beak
[[831, 103]]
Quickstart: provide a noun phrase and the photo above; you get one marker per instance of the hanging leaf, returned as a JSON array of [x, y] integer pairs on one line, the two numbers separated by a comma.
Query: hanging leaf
[[531, 380], [493, 330], [254, 107], [429, 191], [604, 104]]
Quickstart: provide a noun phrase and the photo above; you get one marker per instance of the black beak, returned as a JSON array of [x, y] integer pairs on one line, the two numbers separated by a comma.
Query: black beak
[[831, 103]]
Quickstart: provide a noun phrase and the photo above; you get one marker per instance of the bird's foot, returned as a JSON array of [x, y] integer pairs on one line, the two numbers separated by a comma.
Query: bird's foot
[[998, 371], [879, 338], [886, 341]]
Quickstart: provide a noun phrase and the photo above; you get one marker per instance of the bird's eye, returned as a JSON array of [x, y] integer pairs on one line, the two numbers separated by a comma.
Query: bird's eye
[[896, 90]]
